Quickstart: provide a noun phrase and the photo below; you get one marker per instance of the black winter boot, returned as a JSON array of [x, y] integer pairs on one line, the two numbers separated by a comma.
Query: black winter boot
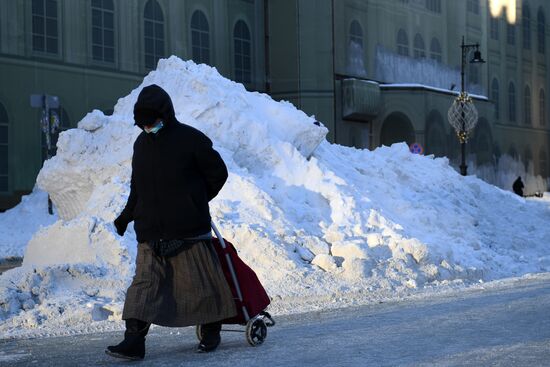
[[133, 345], [210, 337]]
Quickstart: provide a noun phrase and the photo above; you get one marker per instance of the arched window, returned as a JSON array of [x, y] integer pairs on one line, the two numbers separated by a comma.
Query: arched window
[[435, 50], [434, 5], [4, 151], [356, 33], [243, 53], [543, 164], [527, 106], [495, 97], [402, 43], [153, 20], [541, 26], [542, 108], [419, 49], [473, 6], [494, 23], [511, 102], [356, 54], [511, 33], [200, 38], [44, 26], [103, 30], [526, 26]]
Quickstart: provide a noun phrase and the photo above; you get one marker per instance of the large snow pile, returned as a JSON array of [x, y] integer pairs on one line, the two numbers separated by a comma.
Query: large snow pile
[[19, 224], [315, 221]]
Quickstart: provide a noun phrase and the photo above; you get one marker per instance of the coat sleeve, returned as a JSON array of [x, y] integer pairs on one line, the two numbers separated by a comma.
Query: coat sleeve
[[127, 214], [211, 166]]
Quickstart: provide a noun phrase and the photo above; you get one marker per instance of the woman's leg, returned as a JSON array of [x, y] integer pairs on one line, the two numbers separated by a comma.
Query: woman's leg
[[210, 337], [133, 345]]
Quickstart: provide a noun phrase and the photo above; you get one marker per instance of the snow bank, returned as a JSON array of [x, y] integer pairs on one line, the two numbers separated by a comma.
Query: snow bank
[[19, 224], [316, 221]]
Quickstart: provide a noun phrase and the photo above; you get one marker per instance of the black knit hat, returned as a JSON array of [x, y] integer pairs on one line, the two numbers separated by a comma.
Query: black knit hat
[[145, 116]]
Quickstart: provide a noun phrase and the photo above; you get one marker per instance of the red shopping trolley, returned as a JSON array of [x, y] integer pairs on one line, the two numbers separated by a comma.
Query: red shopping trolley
[[250, 297]]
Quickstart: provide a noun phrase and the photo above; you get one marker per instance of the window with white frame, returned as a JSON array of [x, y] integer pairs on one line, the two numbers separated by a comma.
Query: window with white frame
[[356, 33], [402, 43], [44, 26], [435, 50], [495, 97], [541, 27], [473, 6], [153, 21], [510, 33], [419, 49], [494, 23], [511, 102], [526, 26], [200, 38], [434, 5], [242, 48], [527, 105], [103, 30]]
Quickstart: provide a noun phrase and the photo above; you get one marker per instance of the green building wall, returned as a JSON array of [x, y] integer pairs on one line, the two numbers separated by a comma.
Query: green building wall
[[83, 84], [301, 52]]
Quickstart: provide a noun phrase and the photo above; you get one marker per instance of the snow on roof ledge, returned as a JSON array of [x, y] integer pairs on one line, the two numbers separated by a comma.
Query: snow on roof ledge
[[430, 88]]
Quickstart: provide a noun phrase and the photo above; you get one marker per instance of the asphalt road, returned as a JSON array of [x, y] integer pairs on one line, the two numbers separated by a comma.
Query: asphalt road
[[504, 327]]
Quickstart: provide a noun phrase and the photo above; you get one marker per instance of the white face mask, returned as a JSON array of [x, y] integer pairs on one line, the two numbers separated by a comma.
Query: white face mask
[[155, 128]]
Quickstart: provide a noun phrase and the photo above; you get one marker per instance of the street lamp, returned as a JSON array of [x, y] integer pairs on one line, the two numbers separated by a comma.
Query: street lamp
[[49, 122], [463, 114]]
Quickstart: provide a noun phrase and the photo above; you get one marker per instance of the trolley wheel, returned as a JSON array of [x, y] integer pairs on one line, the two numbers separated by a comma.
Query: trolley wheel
[[198, 331], [256, 331]]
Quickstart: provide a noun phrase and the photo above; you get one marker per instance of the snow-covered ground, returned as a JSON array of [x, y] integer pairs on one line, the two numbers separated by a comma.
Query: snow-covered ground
[[318, 222]]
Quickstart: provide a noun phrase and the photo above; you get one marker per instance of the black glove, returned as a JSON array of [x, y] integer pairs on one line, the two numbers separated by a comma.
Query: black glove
[[120, 224]]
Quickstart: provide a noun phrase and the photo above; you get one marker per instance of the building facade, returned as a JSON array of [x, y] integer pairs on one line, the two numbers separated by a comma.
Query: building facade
[[373, 71], [88, 53], [379, 72]]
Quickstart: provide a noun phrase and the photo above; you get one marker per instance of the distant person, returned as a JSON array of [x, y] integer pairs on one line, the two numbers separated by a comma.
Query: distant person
[[178, 279], [518, 186]]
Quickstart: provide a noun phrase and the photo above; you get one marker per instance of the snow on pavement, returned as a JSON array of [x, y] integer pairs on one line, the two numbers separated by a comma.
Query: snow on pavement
[[318, 222]]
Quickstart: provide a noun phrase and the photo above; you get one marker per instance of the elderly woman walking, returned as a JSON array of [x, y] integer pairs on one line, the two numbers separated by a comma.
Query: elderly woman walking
[[178, 279]]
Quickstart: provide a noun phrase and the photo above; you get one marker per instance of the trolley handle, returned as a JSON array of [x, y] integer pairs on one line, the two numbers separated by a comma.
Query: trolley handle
[[218, 235], [232, 271]]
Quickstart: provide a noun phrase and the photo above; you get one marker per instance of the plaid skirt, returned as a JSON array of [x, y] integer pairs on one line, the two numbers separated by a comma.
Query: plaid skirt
[[186, 289]]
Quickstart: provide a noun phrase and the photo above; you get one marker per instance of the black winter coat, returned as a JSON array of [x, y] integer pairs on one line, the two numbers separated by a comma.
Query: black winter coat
[[175, 173]]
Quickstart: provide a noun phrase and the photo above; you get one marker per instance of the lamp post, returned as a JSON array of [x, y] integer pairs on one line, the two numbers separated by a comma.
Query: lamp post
[[463, 114], [49, 122]]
